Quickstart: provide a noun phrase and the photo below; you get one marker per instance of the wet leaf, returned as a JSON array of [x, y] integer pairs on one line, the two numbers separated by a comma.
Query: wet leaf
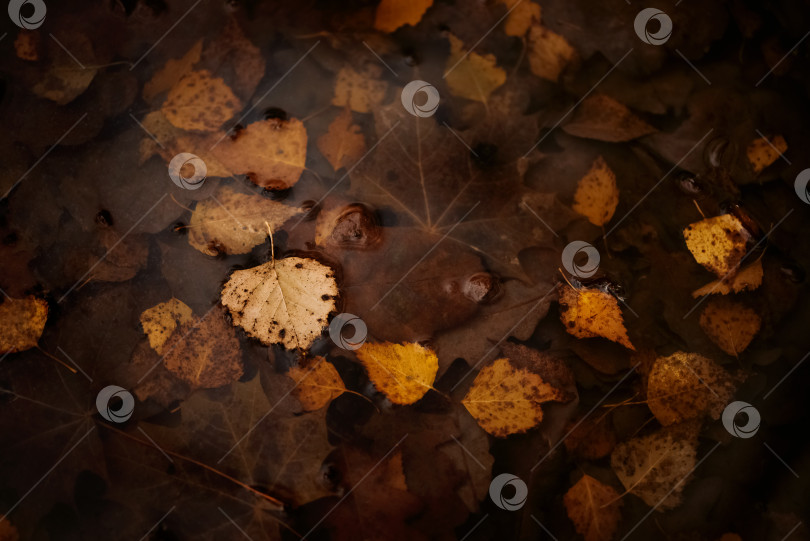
[[21, 323], [594, 508], [392, 14], [597, 196], [730, 324], [588, 313], [344, 143], [471, 75], [763, 151], [200, 101], [26, 46], [747, 278], [160, 321], [361, 91], [123, 258], [318, 383], [403, 372], [65, 79], [166, 78], [521, 18], [590, 438], [602, 118], [717, 243], [549, 53]]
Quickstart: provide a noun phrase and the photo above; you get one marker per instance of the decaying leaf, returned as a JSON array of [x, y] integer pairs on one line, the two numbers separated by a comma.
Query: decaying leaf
[[65, 79], [167, 77], [594, 508], [391, 14], [471, 75], [590, 438], [655, 467], [507, 400], [200, 102], [26, 45], [233, 222], [123, 258], [748, 278], [687, 386], [717, 243], [549, 53], [730, 324], [763, 151], [403, 372], [160, 321], [603, 118], [597, 195], [587, 313], [21, 323], [344, 143], [317, 383], [361, 91], [284, 301], [522, 15]]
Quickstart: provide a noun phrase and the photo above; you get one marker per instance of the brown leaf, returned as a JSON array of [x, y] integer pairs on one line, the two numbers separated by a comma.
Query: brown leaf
[[200, 101], [21, 323], [730, 324], [602, 118], [594, 508], [471, 75], [549, 53], [344, 143], [317, 383], [160, 321], [361, 91], [747, 278]]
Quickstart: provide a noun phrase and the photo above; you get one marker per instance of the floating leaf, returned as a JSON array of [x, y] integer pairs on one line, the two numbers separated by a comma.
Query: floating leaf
[[167, 77], [391, 14], [317, 383], [160, 321], [21, 323], [747, 278], [471, 75], [597, 195], [344, 143], [602, 118], [730, 324], [717, 243], [763, 151], [403, 372], [587, 313], [594, 508]]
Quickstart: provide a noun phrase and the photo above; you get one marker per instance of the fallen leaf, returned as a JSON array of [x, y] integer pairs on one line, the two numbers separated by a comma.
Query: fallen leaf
[[602, 118], [200, 102], [507, 400], [284, 301], [317, 383], [391, 14], [522, 16], [124, 256], [656, 467], [549, 53], [717, 243], [160, 321], [594, 508], [685, 386], [66, 80], [167, 77], [403, 372], [233, 222], [763, 151], [26, 46], [471, 75], [344, 143], [21, 323], [730, 324], [590, 438], [597, 196], [748, 278], [587, 313], [361, 91]]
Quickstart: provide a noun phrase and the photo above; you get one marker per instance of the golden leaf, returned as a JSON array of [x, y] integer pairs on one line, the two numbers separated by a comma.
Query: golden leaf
[[730, 324], [160, 321], [594, 508], [597, 196], [360, 91], [391, 14], [549, 53], [403, 372], [234, 222], [686, 386], [167, 77], [471, 75], [283, 302], [587, 313], [318, 383], [200, 102], [717, 243], [344, 143], [747, 278], [507, 400], [763, 151], [602, 118], [21, 323]]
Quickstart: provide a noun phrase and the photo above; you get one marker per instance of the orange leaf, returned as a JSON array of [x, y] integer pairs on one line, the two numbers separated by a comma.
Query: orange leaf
[[391, 14], [21, 323], [549, 53], [730, 324], [594, 508], [597, 195], [747, 279], [403, 372], [763, 152], [587, 313], [717, 243], [343, 144], [318, 383], [602, 118]]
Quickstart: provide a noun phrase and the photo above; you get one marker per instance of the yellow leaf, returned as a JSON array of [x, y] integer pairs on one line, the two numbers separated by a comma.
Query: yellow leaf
[[597, 195], [391, 14], [587, 313], [165, 78], [747, 279], [523, 15], [360, 91], [686, 386], [602, 118], [594, 508], [21, 323], [507, 400], [200, 102], [234, 222], [762, 152], [283, 302], [717, 243], [403, 372], [343, 144], [730, 324], [317, 383], [471, 75], [549, 53], [160, 321]]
